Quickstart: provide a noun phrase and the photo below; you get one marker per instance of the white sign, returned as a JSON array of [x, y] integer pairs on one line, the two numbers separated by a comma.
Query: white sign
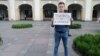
[[62, 18]]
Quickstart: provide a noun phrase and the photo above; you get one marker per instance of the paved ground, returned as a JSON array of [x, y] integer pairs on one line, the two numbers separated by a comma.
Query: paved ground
[[39, 40]]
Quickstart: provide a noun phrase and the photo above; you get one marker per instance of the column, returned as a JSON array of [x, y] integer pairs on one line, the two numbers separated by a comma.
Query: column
[[37, 10], [12, 10], [88, 10], [63, 1]]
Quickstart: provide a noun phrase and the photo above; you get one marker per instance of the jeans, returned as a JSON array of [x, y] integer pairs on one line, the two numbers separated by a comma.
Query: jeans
[[58, 37]]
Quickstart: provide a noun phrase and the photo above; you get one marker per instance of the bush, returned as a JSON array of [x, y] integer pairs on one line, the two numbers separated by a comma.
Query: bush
[[87, 45], [1, 41], [18, 26], [75, 26]]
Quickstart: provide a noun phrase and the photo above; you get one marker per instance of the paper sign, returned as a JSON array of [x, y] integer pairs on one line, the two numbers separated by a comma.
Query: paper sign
[[62, 18]]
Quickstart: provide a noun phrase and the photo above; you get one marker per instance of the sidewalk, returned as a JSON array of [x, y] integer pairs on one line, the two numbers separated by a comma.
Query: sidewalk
[[39, 40]]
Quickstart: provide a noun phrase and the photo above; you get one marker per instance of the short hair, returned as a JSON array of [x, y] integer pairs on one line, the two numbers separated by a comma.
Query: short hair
[[61, 3]]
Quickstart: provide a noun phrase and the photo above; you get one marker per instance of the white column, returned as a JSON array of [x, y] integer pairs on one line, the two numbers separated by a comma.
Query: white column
[[62, 1], [12, 10], [88, 10], [37, 10]]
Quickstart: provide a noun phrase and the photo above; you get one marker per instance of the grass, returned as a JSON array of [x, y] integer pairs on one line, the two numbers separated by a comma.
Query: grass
[[75, 26], [1, 41], [21, 26]]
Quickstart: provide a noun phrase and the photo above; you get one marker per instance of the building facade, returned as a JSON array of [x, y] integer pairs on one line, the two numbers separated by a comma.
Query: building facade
[[85, 10]]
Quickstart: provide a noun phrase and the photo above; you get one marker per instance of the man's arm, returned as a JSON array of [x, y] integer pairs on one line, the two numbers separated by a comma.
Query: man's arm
[[71, 20], [52, 23]]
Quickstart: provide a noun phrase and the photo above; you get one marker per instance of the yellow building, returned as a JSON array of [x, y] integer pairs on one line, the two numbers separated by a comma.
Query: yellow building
[[86, 10]]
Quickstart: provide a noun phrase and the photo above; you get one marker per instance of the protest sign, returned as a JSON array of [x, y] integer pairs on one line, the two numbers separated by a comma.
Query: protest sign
[[62, 18]]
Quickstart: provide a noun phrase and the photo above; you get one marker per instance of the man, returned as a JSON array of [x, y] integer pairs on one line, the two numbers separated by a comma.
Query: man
[[61, 32]]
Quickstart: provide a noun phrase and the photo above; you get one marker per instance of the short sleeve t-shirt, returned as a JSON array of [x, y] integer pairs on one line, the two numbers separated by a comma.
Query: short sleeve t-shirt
[[61, 28]]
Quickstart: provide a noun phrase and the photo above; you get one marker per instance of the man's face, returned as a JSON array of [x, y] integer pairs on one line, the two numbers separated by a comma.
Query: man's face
[[61, 7]]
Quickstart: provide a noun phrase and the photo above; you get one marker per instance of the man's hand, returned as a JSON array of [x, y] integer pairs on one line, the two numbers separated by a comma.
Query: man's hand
[[72, 19]]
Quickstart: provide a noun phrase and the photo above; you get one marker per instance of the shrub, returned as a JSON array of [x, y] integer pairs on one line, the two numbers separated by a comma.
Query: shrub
[[18, 26], [87, 45], [75, 26]]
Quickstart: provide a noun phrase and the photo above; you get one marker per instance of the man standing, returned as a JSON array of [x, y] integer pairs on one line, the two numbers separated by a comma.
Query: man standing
[[61, 32]]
